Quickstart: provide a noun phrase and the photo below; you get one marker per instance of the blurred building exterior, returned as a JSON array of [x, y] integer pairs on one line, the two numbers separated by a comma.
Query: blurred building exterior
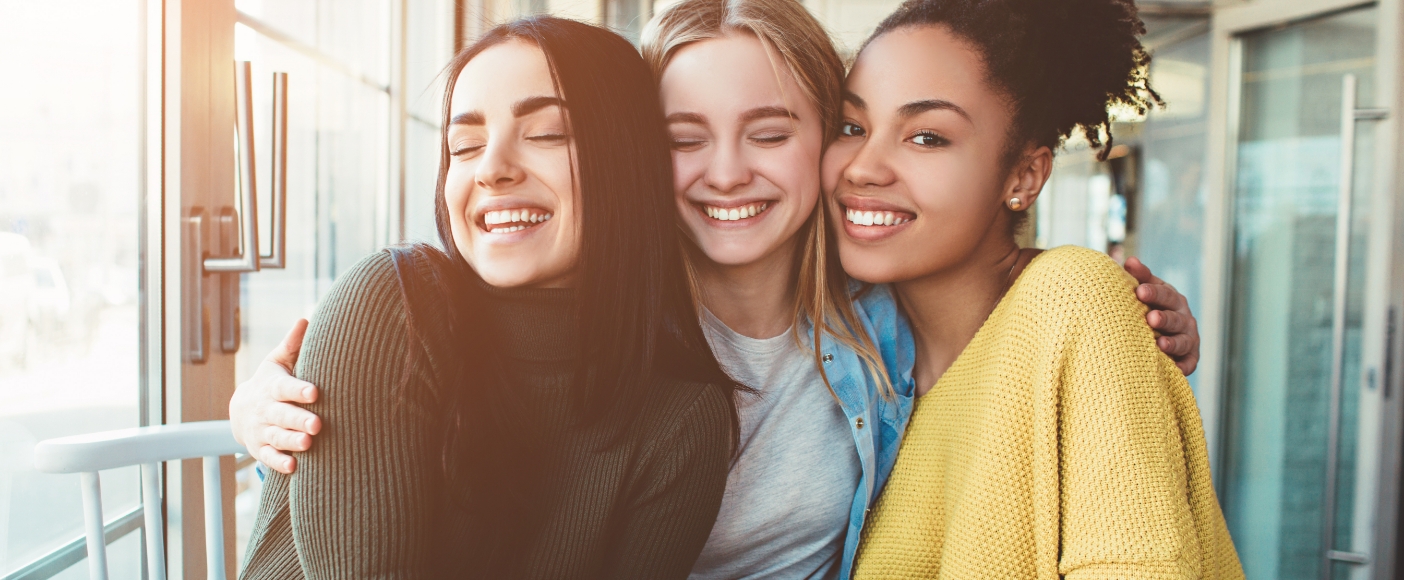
[[1266, 190]]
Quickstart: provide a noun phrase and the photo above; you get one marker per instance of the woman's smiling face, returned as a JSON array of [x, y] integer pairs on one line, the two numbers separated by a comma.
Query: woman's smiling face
[[916, 180], [747, 143], [511, 189]]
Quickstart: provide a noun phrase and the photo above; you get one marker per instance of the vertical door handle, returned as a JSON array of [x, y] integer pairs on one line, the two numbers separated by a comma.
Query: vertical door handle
[[1340, 285], [238, 242], [248, 258], [277, 255]]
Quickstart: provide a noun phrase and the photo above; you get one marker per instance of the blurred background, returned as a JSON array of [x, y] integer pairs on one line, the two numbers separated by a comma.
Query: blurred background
[[1266, 191]]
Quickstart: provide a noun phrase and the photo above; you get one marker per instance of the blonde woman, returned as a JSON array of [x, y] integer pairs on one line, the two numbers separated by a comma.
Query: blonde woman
[[751, 91]]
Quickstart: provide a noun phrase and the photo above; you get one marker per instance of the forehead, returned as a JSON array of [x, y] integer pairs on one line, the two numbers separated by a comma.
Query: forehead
[[915, 63], [501, 75], [735, 71]]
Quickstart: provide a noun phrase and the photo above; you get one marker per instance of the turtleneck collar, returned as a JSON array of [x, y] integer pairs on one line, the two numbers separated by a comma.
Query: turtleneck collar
[[535, 324]]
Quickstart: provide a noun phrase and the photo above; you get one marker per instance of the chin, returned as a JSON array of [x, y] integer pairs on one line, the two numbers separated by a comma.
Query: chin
[[870, 267], [733, 253], [505, 273]]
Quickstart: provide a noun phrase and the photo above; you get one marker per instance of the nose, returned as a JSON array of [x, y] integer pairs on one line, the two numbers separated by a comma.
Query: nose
[[498, 168], [728, 169], [867, 168]]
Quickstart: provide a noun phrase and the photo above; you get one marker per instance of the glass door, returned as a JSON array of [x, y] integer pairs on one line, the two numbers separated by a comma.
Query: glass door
[[72, 193], [1303, 406], [362, 152]]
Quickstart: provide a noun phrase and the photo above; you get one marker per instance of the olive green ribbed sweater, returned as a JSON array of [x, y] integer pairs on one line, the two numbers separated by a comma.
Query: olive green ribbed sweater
[[363, 503]]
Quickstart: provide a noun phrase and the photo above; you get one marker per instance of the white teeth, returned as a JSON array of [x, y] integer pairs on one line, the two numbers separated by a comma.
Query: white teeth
[[875, 218], [735, 213], [515, 216]]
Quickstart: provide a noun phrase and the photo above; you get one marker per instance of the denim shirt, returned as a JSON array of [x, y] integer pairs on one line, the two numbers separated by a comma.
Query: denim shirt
[[877, 423]]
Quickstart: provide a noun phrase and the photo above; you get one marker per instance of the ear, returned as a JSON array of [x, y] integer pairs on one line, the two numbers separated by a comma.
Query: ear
[[1028, 175]]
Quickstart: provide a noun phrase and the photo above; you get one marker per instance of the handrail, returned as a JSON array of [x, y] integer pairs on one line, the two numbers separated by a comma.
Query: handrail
[[135, 446]]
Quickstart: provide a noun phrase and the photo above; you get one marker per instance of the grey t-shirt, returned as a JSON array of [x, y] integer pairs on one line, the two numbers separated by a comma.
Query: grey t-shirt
[[791, 486]]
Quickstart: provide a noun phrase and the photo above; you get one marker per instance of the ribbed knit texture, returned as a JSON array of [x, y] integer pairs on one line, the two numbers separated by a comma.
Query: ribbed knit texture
[[1061, 443], [364, 503]]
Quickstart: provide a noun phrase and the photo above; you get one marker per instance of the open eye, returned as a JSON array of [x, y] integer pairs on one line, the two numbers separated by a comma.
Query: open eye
[[929, 139], [852, 130]]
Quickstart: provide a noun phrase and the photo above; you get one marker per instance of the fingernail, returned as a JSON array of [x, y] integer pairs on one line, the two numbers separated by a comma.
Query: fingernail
[[307, 425], [307, 392]]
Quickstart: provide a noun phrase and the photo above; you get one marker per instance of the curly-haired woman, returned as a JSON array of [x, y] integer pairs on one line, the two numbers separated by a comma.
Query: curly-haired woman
[[1052, 439]]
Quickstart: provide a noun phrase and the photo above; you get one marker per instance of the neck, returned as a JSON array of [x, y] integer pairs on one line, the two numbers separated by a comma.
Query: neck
[[948, 307], [755, 300]]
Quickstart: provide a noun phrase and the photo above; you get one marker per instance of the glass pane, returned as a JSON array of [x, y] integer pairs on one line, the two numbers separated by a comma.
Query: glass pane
[[1170, 212], [1287, 187], [70, 186], [124, 561]]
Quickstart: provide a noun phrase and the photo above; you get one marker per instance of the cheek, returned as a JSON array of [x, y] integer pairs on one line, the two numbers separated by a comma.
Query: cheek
[[458, 189], [836, 159], [688, 167]]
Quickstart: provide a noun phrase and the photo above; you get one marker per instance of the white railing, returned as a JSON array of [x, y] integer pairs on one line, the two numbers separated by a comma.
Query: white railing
[[148, 447]]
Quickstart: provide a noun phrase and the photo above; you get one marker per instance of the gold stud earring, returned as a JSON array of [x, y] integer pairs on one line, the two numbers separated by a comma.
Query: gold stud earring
[[1015, 203]]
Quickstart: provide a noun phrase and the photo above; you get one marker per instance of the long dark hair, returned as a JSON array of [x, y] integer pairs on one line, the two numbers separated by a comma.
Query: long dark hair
[[635, 312]]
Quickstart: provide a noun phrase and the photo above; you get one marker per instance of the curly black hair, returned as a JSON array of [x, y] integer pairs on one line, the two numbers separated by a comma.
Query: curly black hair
[[1061, 63]]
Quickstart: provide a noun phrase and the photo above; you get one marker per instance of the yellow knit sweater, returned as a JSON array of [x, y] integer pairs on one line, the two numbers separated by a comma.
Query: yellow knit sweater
[[1061, 442]]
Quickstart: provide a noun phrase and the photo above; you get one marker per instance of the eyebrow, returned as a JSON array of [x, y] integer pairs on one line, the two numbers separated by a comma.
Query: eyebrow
[[855, 100], [689, 118], [520, 108], [531, 105], [915, 108], [766, 113]]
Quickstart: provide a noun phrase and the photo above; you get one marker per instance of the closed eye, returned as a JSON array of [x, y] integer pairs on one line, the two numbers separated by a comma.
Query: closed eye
[[549, 138], [687, 144], [465, 150], [771, 138]]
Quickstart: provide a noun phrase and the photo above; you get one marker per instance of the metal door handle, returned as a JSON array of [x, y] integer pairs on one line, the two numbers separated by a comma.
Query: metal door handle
[[1340, 285], [249, 259], [237, 232]]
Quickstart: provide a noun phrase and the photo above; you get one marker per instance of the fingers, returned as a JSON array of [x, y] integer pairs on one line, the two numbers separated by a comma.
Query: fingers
[[285, 354], [285, 440], [1138, 270], [292, 390], [1169, 321], [276, 461], [292, 418], [1189, 360], [1174, 345], [1188, 364], [1161, 296]]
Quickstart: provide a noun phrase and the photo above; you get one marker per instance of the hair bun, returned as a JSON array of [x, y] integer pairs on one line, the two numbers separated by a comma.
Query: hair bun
[[1064, 63]]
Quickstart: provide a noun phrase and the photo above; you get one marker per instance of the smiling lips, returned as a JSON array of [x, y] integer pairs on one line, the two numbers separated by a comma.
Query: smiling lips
[[731, 214], [506, 221]]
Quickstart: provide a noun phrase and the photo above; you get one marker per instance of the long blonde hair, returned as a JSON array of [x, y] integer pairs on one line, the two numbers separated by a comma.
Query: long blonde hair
[[787, 28]]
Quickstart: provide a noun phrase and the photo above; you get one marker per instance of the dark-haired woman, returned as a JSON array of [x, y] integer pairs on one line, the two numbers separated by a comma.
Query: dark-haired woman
[[539, 400], [1052, 439]]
